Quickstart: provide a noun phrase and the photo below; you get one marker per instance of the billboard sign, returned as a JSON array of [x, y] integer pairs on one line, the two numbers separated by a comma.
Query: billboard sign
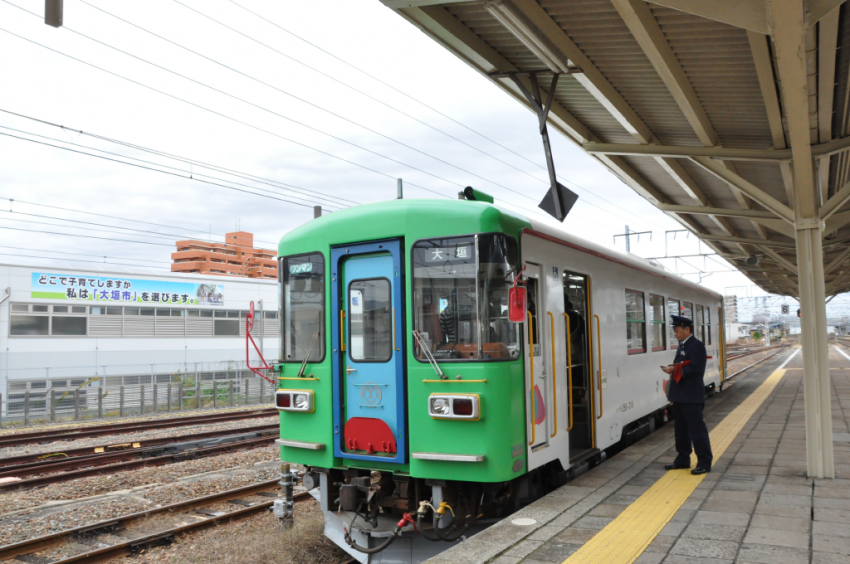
[[124, 290]]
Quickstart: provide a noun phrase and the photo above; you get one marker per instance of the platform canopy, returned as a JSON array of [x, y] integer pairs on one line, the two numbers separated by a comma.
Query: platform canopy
[[732, 116], [706, 108]]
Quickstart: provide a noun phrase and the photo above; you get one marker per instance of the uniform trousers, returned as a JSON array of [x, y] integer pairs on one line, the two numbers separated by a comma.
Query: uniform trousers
[[690, 428]]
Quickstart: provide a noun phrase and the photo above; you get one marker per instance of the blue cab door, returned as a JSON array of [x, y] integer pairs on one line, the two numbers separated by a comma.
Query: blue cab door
[[369, 398]]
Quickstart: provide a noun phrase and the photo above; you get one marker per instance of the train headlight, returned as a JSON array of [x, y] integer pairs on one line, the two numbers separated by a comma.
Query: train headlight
[[455, 406], [302, 401], [294, 400], [440, 406]]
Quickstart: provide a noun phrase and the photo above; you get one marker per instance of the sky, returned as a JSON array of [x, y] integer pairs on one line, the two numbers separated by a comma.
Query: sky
[[250, 113]]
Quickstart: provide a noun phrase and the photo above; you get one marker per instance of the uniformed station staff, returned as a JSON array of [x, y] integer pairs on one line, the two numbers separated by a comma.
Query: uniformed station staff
[[687, 398]]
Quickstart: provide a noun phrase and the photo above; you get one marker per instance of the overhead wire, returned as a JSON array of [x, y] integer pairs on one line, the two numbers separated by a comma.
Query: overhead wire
[[82, 254], [214, 112], [189, 177], [223, 115], [210, 232], [305, 101], [413, 98], [83, 260], [192, 174]]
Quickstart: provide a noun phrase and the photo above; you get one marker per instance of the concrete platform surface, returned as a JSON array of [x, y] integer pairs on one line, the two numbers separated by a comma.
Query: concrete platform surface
[[756, 506]]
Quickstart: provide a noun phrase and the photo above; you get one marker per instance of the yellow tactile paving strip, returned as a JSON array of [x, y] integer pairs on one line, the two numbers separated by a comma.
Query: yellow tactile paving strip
[[627, 536]]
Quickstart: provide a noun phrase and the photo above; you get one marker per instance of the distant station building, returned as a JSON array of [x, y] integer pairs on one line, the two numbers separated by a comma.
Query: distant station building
[[64, 328], [235, 257]]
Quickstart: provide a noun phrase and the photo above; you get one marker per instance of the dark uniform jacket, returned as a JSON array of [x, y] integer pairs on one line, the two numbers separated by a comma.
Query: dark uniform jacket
[[691, 388]]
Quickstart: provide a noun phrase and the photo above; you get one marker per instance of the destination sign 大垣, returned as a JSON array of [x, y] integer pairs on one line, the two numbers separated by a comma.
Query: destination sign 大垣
[[443, 254]]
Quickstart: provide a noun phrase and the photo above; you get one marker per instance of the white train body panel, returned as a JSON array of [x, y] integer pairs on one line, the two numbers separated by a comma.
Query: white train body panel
[[632, 384]]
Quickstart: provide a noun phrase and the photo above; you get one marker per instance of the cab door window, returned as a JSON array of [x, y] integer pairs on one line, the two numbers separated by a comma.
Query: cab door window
[[370, 320]]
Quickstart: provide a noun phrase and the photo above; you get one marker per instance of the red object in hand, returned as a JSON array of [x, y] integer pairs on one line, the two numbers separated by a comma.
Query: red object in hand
[[677, 370]]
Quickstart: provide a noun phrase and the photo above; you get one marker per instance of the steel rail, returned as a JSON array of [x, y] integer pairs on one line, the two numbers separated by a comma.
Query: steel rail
[[30, 546], [43, 459], [142, 463], [755, 363], [16, 439]]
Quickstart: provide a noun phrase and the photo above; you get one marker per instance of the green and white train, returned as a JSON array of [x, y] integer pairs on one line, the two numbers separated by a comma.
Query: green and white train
[[408, 393]]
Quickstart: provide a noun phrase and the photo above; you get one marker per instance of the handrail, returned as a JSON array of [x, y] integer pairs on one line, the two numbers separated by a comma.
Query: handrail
[[342, 330], [554, 379], [394, 347], [531, 359], [599, 353], [569, 372]]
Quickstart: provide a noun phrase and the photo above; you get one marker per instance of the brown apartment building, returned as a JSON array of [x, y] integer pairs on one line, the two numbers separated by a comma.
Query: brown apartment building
[[236, 257]]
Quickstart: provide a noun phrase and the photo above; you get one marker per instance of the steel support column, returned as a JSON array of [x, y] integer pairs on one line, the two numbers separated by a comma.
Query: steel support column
[[819, 455], [788, 28]]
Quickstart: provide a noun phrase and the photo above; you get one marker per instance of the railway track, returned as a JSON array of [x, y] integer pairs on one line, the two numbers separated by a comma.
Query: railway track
[[132, 460], [42, 459], [781, 348], [51, 435], [734, 355], [86, 534]]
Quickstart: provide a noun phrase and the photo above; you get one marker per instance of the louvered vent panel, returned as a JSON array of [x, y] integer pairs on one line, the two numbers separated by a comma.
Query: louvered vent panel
[[170, 327], [139, 326], [105, 327], [199, 327], [271, 328]]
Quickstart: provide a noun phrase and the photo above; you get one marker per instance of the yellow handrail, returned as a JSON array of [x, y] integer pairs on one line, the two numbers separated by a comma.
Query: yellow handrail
[[342, 330], [569, 372], [531, 359], [599, 353], [554, 379]]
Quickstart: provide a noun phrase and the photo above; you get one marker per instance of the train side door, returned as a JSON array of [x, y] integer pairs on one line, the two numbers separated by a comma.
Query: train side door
[[369, 394], [580, 382], [538, 396]]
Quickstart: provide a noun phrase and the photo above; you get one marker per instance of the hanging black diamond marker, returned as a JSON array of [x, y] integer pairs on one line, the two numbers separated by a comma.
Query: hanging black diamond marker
[[567, 199]]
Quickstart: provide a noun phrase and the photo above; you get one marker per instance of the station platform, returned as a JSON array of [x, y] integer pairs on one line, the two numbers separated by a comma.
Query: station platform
[[756, 505]]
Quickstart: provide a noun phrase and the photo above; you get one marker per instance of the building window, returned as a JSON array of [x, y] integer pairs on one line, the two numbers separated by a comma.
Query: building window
[[68, 326], [658, 323], [227, 327], [30, 325], [635, 322]]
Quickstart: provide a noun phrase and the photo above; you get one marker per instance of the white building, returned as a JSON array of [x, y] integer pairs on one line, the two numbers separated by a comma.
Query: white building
[[735, 331], [63, 328]]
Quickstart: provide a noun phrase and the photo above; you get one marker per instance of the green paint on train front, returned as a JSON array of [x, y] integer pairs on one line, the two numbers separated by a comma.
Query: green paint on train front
[[502, 425]]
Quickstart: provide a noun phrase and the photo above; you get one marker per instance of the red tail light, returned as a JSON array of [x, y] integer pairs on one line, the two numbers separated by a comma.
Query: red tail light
[[283, 400], [462, 407]]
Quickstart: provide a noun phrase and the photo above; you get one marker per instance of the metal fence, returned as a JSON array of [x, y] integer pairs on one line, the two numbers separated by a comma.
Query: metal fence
[[88, 402]]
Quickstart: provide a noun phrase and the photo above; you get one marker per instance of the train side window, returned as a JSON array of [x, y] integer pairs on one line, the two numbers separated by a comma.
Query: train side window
[[699, 324], [657, 330], [672, 309], [303, 307], [635, 322], [707, 325], [688, 311]]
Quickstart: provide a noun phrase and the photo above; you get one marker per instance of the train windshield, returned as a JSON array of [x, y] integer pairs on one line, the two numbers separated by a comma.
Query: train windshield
[[460, 297], [303, 305]]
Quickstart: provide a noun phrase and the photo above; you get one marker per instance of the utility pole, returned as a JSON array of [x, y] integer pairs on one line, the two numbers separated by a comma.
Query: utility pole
[[628, 235]]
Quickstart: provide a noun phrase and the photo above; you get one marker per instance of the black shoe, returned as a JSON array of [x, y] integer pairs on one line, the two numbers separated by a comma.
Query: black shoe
[[674, 467], [700, 470]]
